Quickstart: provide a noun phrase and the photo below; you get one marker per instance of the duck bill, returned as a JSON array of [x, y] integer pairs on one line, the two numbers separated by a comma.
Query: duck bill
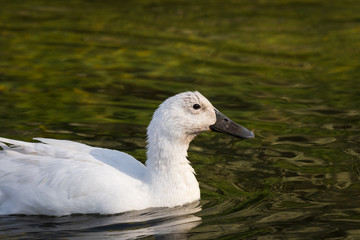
[[224, 125]]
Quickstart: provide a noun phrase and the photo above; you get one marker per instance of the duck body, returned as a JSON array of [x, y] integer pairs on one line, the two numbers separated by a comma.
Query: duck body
[[61, 177]]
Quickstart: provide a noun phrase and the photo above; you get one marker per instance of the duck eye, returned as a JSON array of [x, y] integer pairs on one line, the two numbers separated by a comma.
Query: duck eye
[[196, 106]]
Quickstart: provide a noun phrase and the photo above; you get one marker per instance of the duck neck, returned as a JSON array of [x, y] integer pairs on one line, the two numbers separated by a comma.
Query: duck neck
[[165, 156], [170, 174]]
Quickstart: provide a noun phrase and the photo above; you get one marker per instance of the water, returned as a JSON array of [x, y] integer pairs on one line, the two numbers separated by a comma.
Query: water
[[95, 72]]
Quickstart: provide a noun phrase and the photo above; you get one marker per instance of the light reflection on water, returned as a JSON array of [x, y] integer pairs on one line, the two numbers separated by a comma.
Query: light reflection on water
[[166, 222], [95, 73]]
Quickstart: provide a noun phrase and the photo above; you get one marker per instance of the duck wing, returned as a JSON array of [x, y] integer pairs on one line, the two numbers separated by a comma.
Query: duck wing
[[117, 159], [60, 177]]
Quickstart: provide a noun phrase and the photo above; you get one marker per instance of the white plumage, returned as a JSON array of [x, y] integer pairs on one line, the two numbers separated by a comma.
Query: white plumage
[[60, 177]]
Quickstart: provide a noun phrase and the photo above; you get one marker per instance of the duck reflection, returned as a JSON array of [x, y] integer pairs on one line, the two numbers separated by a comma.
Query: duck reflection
[[166, 223]]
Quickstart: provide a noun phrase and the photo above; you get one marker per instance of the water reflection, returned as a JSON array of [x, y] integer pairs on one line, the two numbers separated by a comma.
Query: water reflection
[[95, 72], [162, 222]]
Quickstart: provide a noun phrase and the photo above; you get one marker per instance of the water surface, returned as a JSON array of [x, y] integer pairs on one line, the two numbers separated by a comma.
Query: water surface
[[94, 72]]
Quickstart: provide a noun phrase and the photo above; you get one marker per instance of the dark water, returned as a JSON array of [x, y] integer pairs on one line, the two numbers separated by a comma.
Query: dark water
[[94, 72]]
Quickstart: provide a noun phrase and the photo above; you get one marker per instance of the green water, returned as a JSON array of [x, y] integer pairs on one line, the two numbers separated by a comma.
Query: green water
[[94, 72]]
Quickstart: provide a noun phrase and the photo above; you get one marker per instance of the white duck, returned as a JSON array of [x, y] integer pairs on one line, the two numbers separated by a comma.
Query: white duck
[[60, 177]]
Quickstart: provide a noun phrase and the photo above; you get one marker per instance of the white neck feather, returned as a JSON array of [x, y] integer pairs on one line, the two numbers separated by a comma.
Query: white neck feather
[[169, 172]]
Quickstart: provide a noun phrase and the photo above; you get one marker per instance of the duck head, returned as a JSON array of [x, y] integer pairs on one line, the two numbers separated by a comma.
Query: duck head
[[187, 114]]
